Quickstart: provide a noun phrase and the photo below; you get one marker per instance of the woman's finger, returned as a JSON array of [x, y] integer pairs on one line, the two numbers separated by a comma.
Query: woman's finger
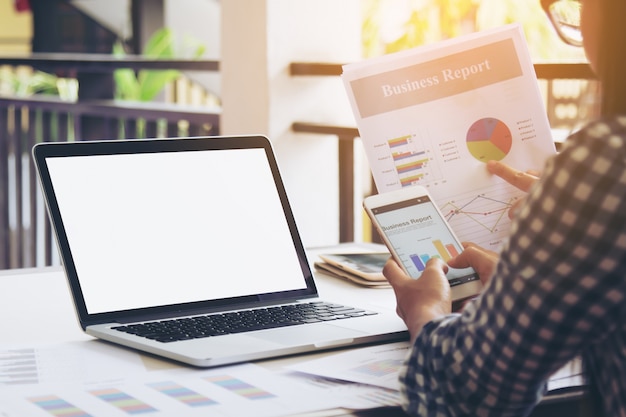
[[519, 179]]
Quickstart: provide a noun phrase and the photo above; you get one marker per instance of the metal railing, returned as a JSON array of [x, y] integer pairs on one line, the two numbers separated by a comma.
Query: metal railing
[[24, 231], [25, 235]]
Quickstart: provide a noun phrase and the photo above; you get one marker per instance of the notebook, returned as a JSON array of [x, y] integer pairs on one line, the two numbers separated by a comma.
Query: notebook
[[161, 239]]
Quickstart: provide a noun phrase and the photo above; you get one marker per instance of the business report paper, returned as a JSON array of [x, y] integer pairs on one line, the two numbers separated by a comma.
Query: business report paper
[[434, 115]]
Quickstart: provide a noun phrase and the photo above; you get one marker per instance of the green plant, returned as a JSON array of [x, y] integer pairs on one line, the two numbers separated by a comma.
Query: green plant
[[428, 21], [146, 84], [23, 82]]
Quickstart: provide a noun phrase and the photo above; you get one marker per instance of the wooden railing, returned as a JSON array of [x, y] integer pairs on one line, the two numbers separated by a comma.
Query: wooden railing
[[24, 232], [577, 71], [548, 73], [25, 237]]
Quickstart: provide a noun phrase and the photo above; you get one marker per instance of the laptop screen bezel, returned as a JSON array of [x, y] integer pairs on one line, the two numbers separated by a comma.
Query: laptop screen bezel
[[43, 151]]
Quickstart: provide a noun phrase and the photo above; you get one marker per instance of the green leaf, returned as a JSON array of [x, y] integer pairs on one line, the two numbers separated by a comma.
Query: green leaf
[[152, 82], [126, 85], [147, 84], [160, 44], [192, 47], [118, 49]]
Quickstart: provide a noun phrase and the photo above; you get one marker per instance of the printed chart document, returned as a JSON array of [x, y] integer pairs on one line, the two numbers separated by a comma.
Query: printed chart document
[[434, 115], [92, 384], [375, 365]]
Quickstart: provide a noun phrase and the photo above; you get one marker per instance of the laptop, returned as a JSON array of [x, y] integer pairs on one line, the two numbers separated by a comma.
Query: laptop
[[168, 242]]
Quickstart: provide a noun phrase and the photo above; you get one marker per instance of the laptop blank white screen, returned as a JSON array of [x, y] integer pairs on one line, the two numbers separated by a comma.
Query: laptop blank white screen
[[154, 229]]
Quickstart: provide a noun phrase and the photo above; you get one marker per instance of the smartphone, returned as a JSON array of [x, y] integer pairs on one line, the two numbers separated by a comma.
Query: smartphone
[[414, 230], [368, 266]]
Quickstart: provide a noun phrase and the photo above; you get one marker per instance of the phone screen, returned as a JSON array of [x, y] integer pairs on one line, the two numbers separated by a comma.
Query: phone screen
[[417, 232]]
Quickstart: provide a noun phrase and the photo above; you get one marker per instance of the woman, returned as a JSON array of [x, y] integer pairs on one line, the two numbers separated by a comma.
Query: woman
[[558, 288]]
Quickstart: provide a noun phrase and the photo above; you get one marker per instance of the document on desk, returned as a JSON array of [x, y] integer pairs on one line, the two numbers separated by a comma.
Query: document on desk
[[85, 362], [375, 365], [239, 390], [92, 379], [352, 395], [434, 115]]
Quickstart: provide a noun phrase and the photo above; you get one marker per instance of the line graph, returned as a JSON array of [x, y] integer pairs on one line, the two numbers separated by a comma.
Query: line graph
[[481, 217], [466, 210]]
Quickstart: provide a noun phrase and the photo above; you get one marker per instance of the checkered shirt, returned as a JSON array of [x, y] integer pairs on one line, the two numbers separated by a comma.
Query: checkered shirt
[[558, 292]]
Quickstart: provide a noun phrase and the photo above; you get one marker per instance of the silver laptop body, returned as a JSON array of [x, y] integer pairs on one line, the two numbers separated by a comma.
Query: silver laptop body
[[160, 229]]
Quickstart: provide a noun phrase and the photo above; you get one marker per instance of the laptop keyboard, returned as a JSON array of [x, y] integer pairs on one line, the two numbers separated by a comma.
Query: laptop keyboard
[[242, 321]]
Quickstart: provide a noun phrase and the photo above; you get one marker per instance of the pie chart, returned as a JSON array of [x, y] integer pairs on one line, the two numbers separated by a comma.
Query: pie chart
[[489, 139]]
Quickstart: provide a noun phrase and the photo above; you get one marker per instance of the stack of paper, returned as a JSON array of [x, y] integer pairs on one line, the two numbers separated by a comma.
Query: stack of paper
[[333, 271], [364, 269]]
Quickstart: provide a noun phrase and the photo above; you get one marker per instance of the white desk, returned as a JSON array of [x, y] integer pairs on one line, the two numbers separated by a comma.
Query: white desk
[[38, 300], [36, 308]]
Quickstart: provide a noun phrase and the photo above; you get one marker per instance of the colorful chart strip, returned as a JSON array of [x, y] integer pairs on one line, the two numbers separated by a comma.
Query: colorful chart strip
[[380, 369], [399, 156], [182, 394], [240, 387], [441, 250], [58, 407], [405, 182], [452, 250], [411, 166], [401, 141], [123, 401], [417, 261]]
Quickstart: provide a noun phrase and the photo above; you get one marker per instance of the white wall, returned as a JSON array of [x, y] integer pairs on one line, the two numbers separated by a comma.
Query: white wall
[[112, 14], [201, 21], [259, 95], [255, 41]]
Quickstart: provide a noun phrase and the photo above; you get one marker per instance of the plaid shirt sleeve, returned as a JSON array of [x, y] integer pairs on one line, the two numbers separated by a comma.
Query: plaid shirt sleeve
[[558, 292]]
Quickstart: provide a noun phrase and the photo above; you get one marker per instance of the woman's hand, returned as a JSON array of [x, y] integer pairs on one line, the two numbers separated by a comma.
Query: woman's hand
[[423, 299], [482, 260], [520, 179]]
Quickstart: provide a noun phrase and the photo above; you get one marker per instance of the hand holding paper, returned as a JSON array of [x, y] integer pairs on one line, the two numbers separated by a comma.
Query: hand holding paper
[[435, 115]]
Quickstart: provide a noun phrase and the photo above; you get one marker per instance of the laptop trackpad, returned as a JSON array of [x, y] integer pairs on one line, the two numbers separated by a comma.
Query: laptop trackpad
[[319, 335]]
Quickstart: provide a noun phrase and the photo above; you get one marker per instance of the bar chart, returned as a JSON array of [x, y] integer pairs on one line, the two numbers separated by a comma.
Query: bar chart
[[412, 160], [380, 368], [246, 389], [444, 251], [183, 394], [123, 401], [18, 366], [57, 406], [240, 387]]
